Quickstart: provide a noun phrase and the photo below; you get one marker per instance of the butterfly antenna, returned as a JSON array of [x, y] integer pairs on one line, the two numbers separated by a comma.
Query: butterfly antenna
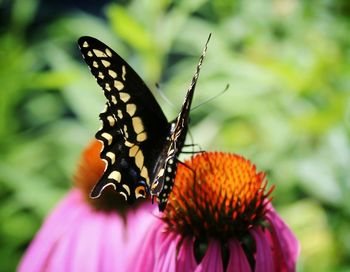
[[212, 98], [164, 97]]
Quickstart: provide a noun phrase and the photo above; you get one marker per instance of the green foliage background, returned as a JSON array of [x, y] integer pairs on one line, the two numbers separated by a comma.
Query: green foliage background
[[287, 109]]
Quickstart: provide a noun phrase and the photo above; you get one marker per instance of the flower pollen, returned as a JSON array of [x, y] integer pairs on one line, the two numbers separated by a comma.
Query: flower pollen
[[217, 195]]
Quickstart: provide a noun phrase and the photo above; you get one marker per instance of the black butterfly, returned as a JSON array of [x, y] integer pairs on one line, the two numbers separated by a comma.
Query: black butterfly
[[140, 147]]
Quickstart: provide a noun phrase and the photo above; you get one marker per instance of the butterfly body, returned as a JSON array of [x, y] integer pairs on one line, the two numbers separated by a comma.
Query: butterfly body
[[140, 147]]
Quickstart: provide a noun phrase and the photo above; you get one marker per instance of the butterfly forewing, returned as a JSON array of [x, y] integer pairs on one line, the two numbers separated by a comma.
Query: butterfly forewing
[[133, 124]]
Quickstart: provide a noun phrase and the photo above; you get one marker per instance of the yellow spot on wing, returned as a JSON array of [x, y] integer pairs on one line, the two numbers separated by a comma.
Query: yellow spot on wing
[[141, 137], [108, 52], [128, 144], [89, 54], [127, 189], [114, 100], [107, 87], [133, 151], [140, 192], [139, 160], [106, 63], [144, 173], [85, 44], [131, 109], [108, 137], [111, 120], [137, 124], [99, 53], [111, 156], [112, 73], [115, 175], [119, 85], [123, 72], [120, 114], [94, 63], [124, 96]]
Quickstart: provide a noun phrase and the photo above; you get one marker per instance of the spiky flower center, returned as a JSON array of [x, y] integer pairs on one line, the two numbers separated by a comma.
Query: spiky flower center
[[217, 195]]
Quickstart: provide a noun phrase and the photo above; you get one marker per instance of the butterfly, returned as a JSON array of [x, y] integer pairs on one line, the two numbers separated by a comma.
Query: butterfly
[[140, 147]]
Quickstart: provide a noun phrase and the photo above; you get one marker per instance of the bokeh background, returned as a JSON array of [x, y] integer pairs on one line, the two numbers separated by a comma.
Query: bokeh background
[[287, 108]]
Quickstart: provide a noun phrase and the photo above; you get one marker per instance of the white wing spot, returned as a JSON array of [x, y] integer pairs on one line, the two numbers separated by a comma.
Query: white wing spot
[[137, 124], [115, 175], [161, 172], [124, 195]]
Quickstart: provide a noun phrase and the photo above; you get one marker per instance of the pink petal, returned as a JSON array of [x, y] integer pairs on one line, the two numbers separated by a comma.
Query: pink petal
[[238, 260], [263, 258], [138, 223], [112, 244], [63, 217], [185, 258], [212, 260], [166, 252], [285, 244], [142, 257]]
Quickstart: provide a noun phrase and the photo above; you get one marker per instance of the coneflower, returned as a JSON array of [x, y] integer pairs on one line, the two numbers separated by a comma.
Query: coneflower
[[219, 218], [87, 235]]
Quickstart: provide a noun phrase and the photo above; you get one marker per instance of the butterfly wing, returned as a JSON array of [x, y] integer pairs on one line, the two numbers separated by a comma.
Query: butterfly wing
[[133, 124], [177, 138]]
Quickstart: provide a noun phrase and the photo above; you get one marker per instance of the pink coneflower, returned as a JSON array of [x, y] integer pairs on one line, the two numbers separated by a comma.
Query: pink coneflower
[[219, 218], [83, 234]]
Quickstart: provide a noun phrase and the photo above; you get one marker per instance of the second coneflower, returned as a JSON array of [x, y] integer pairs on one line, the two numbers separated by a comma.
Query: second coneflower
[[219, 218]]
